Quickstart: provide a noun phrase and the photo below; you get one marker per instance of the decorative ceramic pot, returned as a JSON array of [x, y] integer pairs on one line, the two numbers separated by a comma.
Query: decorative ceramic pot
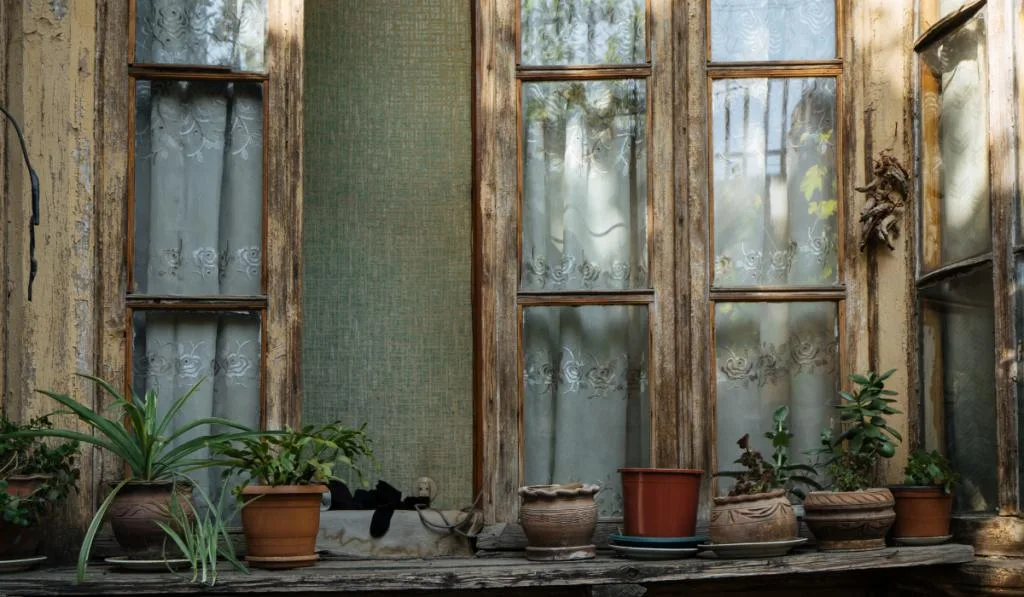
[[849, 520], [921, 511], [752, 518], [16, 541], [281, 524], [138, 507], [660, 502], [559, 521]]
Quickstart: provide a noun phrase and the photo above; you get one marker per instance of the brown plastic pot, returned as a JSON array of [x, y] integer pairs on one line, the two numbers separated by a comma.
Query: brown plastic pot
[[16, 541], [137, 509], [660, 502], [921, 511], [281, 524]]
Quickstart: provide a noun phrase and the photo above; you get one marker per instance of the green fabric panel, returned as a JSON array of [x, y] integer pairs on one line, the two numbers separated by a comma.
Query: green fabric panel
[[387, 334]]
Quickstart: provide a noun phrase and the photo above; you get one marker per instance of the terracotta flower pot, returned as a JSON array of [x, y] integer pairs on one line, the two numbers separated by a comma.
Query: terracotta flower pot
[[17, 541], [660, 502], [136, 510], [921, 511], [281, 525], [849, 520], [559, 521], [753, 518]]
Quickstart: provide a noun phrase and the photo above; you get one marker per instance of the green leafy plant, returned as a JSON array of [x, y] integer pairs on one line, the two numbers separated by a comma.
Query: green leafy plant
[[26, 456], [853, 455], [762, 475], [930, 468], [295, 456], [202, 537], [141, 434]]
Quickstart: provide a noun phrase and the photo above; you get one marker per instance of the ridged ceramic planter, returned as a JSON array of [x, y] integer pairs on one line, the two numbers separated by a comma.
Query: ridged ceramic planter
[[136, 509], [849, 520], [281, 524], [752, 518], [921, 511], [16, 541], [660, 502], [559, 521]]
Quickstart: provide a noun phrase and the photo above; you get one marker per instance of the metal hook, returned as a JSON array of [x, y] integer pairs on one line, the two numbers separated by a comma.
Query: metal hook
[[33, 265]]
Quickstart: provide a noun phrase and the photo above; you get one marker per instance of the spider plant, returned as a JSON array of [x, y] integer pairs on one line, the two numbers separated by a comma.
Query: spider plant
[[143, 436]]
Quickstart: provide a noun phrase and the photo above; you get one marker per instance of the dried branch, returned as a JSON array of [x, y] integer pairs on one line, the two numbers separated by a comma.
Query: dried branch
[[887, 196]]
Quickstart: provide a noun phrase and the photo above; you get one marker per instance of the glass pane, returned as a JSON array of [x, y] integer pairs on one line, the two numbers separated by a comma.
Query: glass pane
[[775, 183], [768, 355], [586, 408], [763, 30], [574, 32], [174, 350], [958, 369], [930, 11], [584, 185], [954, 147], [202, 32], [198, 188]]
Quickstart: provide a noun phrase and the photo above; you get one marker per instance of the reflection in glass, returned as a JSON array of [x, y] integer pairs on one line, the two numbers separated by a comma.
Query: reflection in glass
[[172, 351], [575, 32], [586, 407], [768, 355], [228, 33], [198, 188], [954, 147], [584, 185], [775, 183], [958, 382], [763, 30]]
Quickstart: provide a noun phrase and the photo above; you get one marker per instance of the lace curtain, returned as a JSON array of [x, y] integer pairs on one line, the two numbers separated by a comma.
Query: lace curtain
[[198, 209]]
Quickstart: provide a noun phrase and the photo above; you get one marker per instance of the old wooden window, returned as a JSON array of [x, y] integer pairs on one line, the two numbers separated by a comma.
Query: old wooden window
[[969, 249]]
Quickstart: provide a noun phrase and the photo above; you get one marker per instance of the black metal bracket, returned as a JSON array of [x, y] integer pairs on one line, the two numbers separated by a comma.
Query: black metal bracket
[[33, 265]]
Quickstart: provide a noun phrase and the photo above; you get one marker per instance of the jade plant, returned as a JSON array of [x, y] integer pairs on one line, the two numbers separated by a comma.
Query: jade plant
[[930, 468], [761, 475]]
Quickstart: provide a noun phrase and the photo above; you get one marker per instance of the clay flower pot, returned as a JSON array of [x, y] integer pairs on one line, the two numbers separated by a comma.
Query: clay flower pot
[[753, 518], [849, 520], [921, 511], [660, 502], [136, 509], [281, 524], [559, 521], [17, 541]]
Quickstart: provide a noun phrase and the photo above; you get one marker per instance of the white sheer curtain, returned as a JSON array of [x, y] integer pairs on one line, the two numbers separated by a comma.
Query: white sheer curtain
[[198, 210]]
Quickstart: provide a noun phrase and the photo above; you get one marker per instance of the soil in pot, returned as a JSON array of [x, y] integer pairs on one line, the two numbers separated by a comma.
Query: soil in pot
[[281, 524], [660, 502], [752, 518], [849, 520], [18, 542], [559, 521], [921, 511], [136, 510]]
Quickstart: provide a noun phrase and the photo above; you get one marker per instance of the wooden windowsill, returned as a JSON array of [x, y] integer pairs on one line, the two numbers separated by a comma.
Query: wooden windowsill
[[498, 572]]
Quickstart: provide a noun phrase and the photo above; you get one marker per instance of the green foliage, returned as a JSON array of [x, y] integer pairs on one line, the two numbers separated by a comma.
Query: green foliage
[[854, 454], [930, 468], [202, 537], [296, 457], [778, 473], [21, 456]]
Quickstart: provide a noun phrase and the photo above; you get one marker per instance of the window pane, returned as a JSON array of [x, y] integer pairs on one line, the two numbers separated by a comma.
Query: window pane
[[586, 408], [773, 354], [762, 30], [202, 32], [198, 188], [584, 185], [930, 11], [775, 183], [174, 350], [954, 147], [567, 32], [958, 368]]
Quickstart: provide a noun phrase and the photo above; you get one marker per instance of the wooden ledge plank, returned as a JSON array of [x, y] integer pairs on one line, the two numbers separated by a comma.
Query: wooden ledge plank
[[345, 576]]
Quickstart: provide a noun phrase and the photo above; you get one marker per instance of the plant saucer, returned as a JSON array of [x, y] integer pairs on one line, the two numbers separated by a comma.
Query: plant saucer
[[20, 564], [654, 553], [662, 542], [918, 541], [762, 549], [140, 565]]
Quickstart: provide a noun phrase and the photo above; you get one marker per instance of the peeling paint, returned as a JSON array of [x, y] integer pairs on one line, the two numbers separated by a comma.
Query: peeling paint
[[82, 157], [59, 8]]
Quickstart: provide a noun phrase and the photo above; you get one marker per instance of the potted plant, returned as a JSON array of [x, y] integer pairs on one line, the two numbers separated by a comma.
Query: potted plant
[[34, 476], [287, 471], [757, 508], [924, 503], [856, 513], [559, 521], [157, 458]]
